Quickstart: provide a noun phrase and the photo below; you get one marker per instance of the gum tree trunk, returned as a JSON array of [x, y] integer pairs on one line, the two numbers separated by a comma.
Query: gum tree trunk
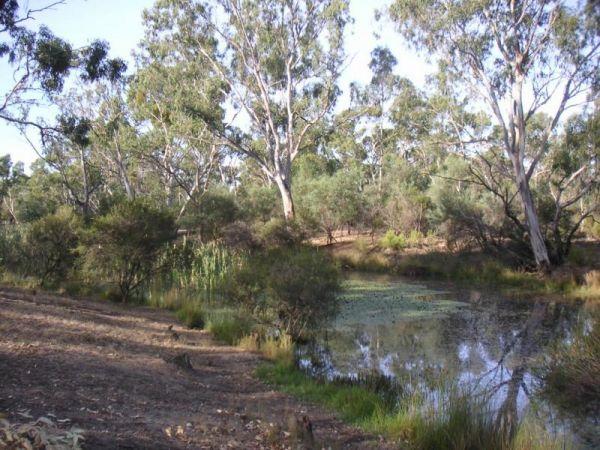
[[286, 197]]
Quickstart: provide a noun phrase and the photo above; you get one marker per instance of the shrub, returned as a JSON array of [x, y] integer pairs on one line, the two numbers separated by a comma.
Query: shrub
[[274, 348], [415, 238], [192, 316], [302, 286], [361, 245], [11, 245], [199, 269], [50, 245], [239, 236], [124, 245], [393, 241], [213, 211], [279, 233], [229, 326], [293, 288]]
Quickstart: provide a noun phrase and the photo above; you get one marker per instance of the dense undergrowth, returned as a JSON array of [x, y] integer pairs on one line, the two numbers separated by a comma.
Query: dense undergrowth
[[265, 297]]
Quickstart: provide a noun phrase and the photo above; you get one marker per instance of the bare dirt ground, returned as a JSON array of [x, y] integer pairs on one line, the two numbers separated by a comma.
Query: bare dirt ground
[[108, 369]]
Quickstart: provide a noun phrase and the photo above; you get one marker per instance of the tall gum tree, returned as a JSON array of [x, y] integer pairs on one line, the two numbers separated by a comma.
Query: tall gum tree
[[278, 62], [519, 57], [40, 62]]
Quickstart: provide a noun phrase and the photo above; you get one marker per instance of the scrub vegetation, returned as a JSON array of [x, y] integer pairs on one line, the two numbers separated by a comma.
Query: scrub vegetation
[[231, 176]]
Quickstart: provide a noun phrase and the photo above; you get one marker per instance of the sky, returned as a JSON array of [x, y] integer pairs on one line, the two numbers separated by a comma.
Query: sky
[[119, 22]]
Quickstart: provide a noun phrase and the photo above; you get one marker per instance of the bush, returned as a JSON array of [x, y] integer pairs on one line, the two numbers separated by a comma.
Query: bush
[[239, 236], [302, 286], [124, 245], [213, 211], [292, 288], [229, 326], [11, 245], [199, 269], [50, 245], [393, 241], [192, 316], [279, 233], [415, 238]]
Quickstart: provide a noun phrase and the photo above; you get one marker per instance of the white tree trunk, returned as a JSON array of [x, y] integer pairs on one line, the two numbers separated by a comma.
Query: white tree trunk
[[518, 133], [286, 198], [538, 245]]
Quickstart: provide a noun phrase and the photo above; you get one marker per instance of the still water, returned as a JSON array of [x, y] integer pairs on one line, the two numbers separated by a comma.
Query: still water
[[483, 342]]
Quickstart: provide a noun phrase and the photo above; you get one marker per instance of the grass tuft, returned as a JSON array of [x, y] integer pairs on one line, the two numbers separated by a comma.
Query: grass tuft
[[228, 325]]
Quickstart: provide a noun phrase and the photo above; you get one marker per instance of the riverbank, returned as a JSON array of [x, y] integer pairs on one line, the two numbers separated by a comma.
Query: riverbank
[[430, 259], [461, 421], [133, 377], [408, 361]]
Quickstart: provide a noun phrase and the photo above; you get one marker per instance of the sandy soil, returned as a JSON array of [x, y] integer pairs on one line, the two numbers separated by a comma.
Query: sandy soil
[[109, 369]]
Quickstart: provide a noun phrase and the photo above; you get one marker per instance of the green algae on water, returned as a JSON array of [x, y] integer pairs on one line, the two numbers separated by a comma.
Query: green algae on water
[[375, 301]]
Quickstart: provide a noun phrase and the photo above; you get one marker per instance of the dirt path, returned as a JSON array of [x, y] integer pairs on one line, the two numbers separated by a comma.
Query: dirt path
[[107, 369]]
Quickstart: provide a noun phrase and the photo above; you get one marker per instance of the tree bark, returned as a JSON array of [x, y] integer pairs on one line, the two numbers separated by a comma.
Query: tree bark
[[286, 197], [518, 130], [538, 245]]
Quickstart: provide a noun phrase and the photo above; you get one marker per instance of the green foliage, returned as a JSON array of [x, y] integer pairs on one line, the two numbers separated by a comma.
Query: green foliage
[[49, 245], [258, 203], [328, 202], [192, 316], [280, 233], [125, 244], [200, 268], [414, 238], [211, 213], [352, 402], [456, 420], [393, 241], [293, 288], [571, 373], [11, 245], [229, 326]]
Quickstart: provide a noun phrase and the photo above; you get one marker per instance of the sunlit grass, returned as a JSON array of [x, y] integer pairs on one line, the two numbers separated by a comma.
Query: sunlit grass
[[228, 325], [410, 416], [467, 269]]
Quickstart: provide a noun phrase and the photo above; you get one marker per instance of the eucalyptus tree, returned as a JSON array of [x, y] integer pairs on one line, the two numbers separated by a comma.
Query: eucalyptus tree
[[114, 136], [573, 184], [518, 57], [69, 152], [374, 127], [277, 63], [40, 61], [11, 176], [177, 95]]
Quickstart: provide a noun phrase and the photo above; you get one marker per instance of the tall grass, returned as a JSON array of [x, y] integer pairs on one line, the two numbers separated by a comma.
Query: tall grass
[[194, 285], [201, 268], [228, 325], [413, 416]]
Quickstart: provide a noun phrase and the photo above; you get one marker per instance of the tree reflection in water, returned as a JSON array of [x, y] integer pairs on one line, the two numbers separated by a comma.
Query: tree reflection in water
[[490, 348]]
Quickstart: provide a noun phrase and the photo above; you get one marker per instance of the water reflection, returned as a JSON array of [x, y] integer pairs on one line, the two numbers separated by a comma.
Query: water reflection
[[485, 343]]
